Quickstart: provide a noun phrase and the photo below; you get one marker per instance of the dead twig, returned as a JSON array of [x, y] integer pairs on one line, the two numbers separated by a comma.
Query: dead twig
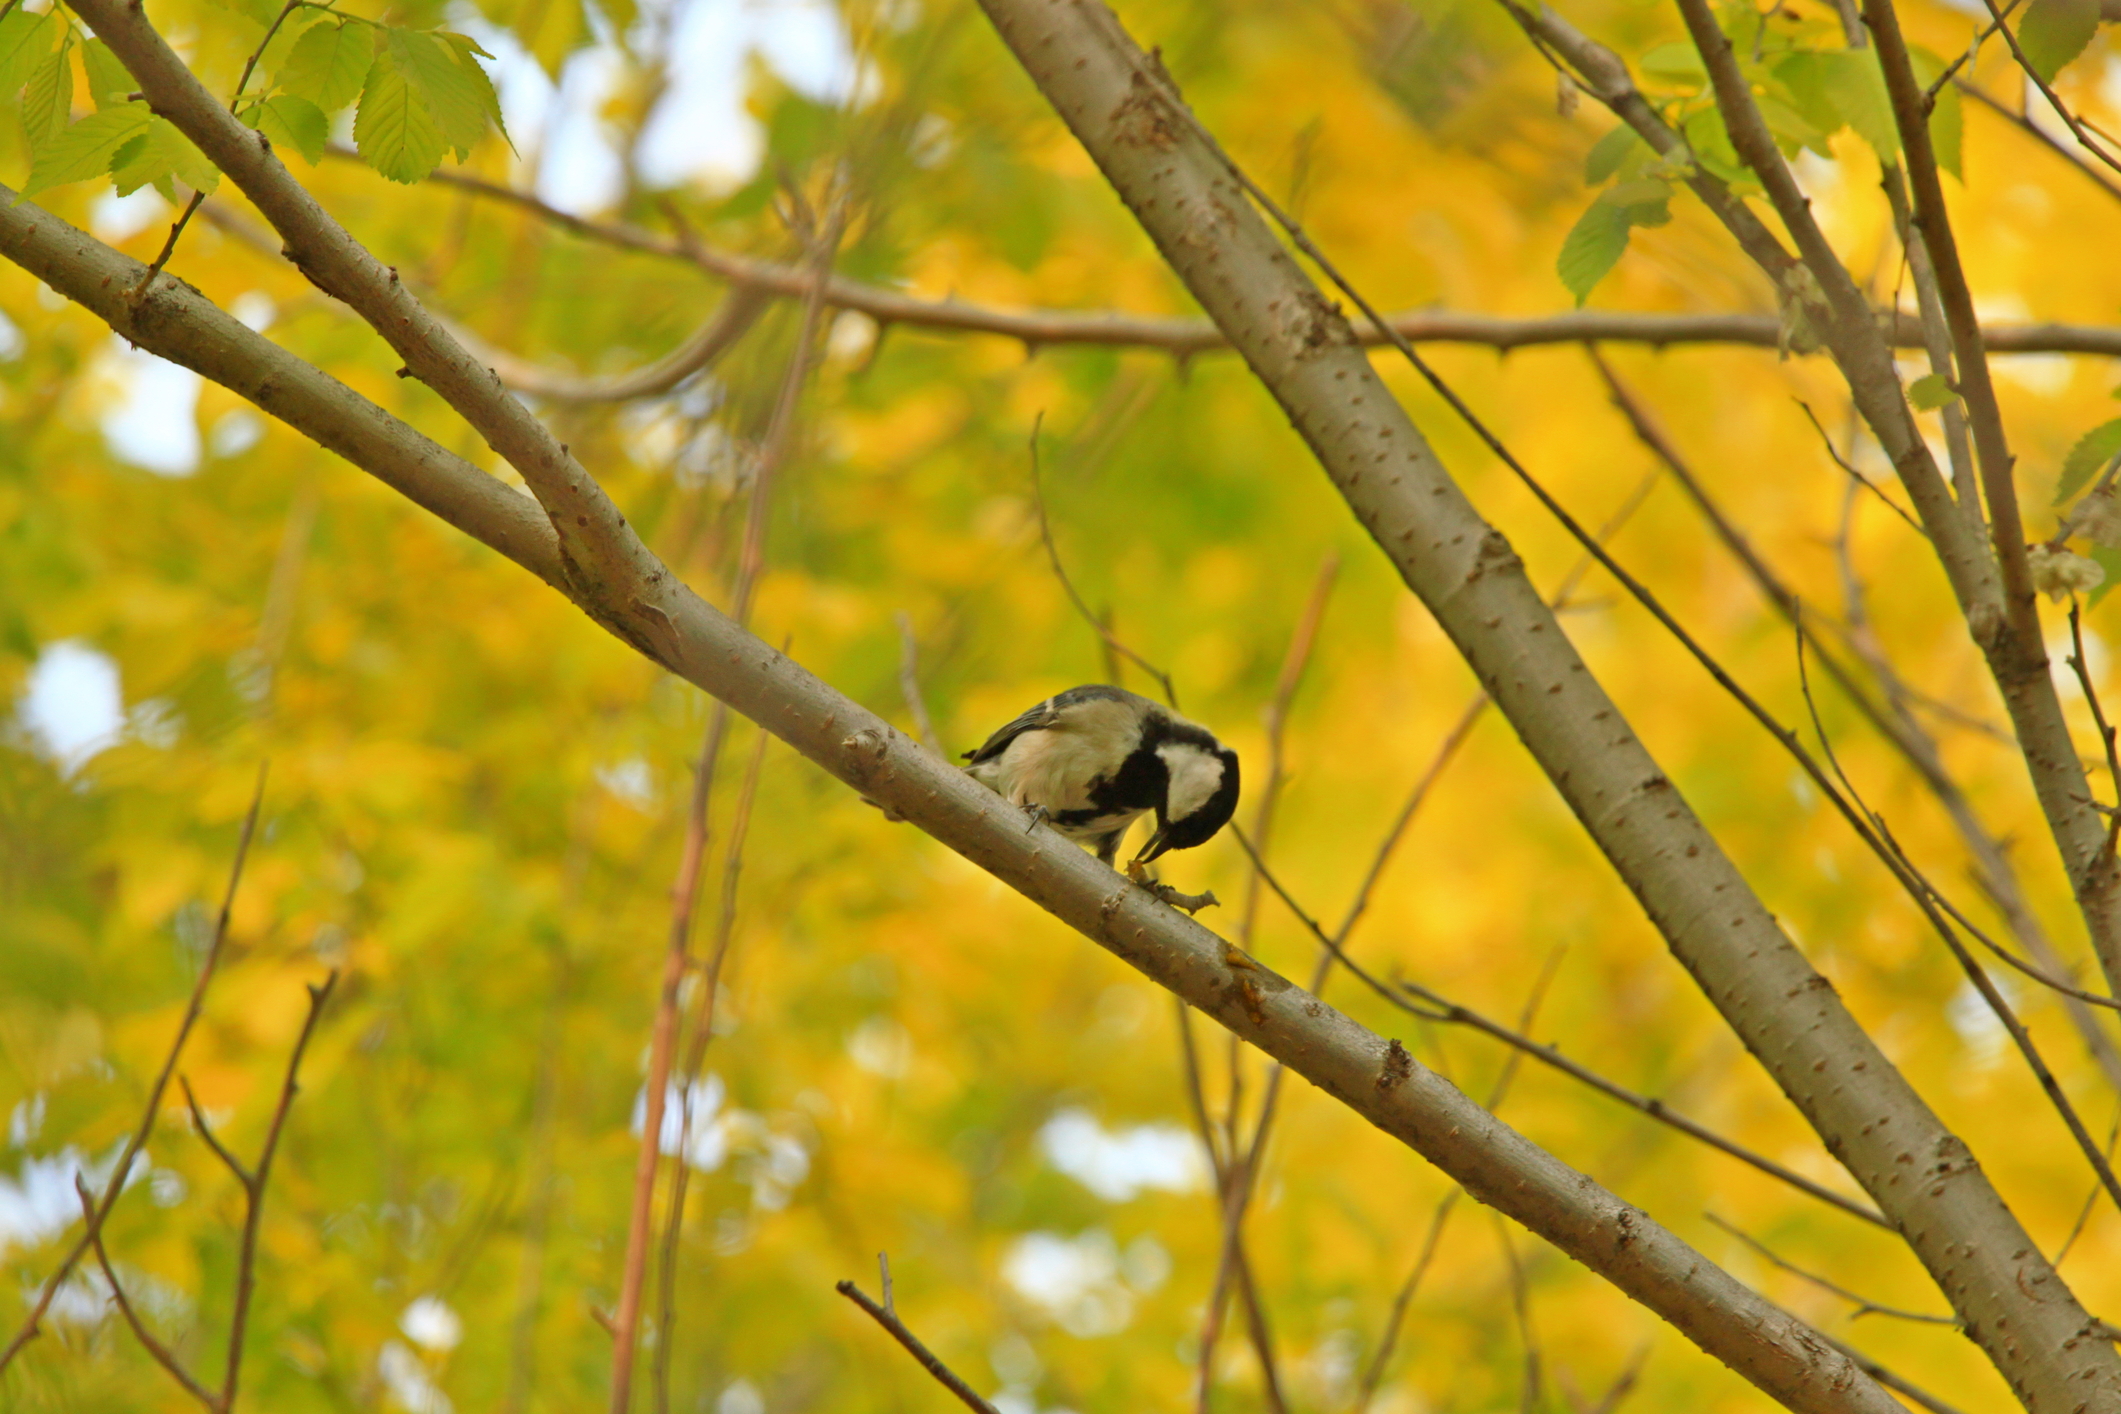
[[1863, 1304], [909, 685], [886, 1315]]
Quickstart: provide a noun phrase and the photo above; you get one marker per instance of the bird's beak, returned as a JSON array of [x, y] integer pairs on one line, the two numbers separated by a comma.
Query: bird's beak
[[1156, 845]]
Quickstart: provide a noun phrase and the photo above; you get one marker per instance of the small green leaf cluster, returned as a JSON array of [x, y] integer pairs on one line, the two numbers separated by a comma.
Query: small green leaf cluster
[[2097, 518], [1807, 86], [421, 95]]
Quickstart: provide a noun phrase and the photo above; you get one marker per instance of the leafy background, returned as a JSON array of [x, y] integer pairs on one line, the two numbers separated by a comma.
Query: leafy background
[[475, 796]]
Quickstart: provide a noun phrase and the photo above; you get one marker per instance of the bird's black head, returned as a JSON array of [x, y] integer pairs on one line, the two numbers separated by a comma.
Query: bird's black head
[[1200, 794]]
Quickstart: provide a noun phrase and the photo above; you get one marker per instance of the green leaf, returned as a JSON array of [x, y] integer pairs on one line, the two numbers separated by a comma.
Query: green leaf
[[1804, 79], [292, 122], [452, 95], [2054, 32], [49, 99], [1930, 392], [2085, 460], [468, 55], [1677, 62], [1609, 152], [260, 12], [24, 39], [1947, 124], [1641, 191], [1856, 88], [1790, 127], [85, 149], [394, 129], [159, 154], [1594, 245], [1712, 147], [108, 82], [329, 65]]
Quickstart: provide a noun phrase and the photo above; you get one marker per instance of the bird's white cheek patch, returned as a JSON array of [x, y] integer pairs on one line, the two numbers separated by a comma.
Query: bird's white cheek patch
[[1195, 776]]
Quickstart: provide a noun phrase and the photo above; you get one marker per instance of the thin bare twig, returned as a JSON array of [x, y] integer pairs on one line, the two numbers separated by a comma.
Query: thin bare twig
[[1925, 893], [1186, 338], [2069, 119], [1863, 1304], [2091, 1200], [254, 1193], [2083, 670], [909, 685], [29, 1328], [2047, 140], [1521, 1308], [1972, 51], [663, 1035], [887, 1317], [159, 1352], [1854, 475], [1104, 632], [701, 1030]]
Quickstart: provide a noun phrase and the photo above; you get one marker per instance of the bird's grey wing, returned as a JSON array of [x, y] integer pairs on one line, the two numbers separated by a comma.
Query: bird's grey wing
[[1044, 717]]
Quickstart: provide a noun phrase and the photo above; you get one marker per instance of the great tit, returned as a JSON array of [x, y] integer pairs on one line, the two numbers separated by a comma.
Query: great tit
[[1095, 759]]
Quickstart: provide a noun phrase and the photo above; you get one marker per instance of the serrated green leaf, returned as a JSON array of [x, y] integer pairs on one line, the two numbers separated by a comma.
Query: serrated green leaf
[[2085, 460], [1930, 392], [24, 39], [1609, 152], [86, 148], [108, 82], [329, 65], [468, 55], [2054, 32], [159, 154], [452, 96], [1593, 246], [394, 129], [48, 101], [292, 122], [1677, 62]]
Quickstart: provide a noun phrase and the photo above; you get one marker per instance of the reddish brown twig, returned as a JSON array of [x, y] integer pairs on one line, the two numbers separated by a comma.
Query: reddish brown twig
[[159, 1352], [29, 1328], [663, 1036]]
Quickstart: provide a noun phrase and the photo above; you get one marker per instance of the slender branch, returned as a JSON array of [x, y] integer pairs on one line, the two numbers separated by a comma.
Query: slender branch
[[254, 1194], [1459, 1014], [663, 1035], [886, 1317], [2047, 140], [701, 1027], [1104, 630], [198, 1122], [2047, 91], [1187, 338], [1521, 1308], [701, 350], [123, 1169], [1863, 1304], [1856, 477], [160, 1353], [1971, 52], [2079, 665], [1926, 895]]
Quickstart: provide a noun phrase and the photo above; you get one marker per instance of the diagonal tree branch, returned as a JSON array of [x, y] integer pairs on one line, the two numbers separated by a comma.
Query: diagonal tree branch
[[1121, 106], [1375, 1078]]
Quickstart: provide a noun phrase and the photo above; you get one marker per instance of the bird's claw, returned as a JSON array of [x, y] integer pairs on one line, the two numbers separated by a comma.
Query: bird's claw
[[1038, 816]]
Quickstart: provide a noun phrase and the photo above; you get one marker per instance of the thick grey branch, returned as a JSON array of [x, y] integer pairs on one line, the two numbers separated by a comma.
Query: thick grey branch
[[1121, 106], [1375, 1077]]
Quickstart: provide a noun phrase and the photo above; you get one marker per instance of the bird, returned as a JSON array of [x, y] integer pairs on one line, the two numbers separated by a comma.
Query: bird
[[1094, 759]]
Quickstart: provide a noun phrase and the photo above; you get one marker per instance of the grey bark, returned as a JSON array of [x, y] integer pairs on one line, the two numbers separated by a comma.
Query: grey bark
[[1375, 1077], [1123, 109]]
